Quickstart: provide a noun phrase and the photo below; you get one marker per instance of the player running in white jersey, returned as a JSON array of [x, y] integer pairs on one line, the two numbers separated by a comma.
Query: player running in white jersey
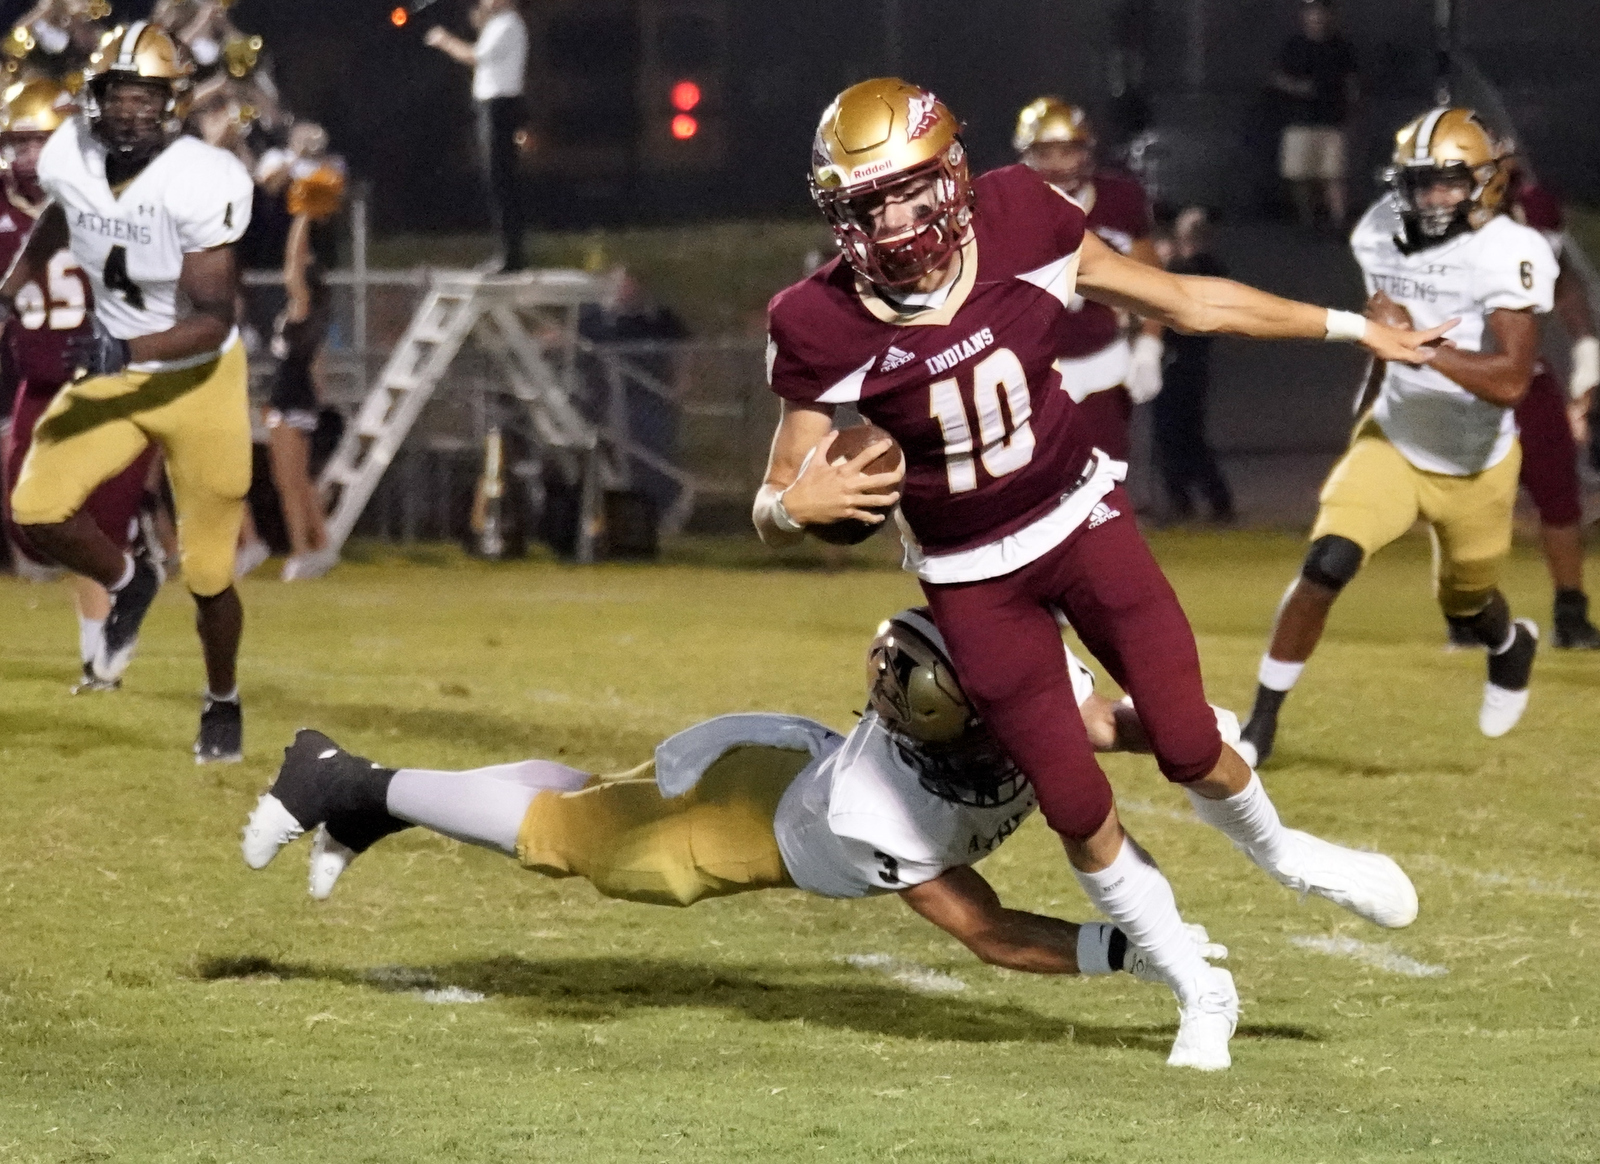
[[1439, 442], [151, 217]]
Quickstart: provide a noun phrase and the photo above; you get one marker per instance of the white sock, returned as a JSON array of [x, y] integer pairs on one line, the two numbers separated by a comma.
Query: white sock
[[1276, 675], [1094, 948], [1132, 892], [90, 633], [1249, 820], [482, 807], [127, 574]]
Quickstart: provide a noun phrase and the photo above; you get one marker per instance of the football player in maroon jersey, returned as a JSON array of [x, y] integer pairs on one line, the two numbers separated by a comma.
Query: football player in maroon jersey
[[941, 322], [34, 343], [1549, 420], [1099, 369]]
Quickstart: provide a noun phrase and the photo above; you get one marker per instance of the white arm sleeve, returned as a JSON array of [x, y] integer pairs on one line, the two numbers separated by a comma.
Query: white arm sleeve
[[682, 759]]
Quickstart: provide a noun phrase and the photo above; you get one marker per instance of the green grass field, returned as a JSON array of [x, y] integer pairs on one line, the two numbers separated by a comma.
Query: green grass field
[[160, 1002]]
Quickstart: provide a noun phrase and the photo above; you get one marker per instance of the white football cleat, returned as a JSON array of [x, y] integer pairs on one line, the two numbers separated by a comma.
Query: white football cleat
[[1369, 885], [1505, 695], [270, 827], [1206, 1023], [1138, 961], [329, 859], [312, 564]]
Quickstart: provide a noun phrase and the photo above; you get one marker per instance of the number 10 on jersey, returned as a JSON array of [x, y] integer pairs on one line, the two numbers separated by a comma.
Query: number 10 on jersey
[[1002, 448]]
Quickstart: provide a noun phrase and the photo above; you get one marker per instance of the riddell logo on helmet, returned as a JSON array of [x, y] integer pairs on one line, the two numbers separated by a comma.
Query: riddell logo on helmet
[[871, 170], [921, 115]]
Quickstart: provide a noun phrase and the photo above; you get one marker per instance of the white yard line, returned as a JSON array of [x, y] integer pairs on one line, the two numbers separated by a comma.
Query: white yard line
[[922, 979], [1369, 954]]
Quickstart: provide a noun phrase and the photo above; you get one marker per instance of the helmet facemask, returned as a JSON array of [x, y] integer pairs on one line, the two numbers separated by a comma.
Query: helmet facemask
[[913, 689], [901, 257], [132, 136], [1428, 226]]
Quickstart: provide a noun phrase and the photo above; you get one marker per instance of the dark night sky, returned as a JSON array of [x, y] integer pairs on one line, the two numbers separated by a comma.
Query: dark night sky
[[401, 112]]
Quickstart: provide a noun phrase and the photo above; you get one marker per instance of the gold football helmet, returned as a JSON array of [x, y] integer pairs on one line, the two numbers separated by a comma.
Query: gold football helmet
[[145, 53], [912, 686], [1447, 145], [36, 106], [1050, 119], [881, 138]]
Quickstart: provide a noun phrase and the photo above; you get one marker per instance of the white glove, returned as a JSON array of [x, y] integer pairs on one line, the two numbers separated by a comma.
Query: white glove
[[1144, 369], [1138, 962], [1227, 725], [1585, 367]]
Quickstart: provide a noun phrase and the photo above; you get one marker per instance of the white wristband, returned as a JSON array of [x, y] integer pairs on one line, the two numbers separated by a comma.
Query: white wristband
[[1585, 366], [1345, 327], [780, 515]]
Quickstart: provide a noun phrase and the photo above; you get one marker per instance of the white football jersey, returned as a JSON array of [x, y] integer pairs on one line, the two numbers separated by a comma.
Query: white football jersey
[[856, 820], [1438, 425], [191, 197]]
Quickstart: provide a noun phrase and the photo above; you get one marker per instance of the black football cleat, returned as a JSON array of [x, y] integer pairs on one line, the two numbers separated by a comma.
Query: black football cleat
[[221, 738], [322, 787], [128, 608], [1573, 630]]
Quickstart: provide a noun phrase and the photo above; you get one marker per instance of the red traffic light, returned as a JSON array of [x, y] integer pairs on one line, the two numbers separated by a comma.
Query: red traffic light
[[685, 96], [399, 17], [684, 127]]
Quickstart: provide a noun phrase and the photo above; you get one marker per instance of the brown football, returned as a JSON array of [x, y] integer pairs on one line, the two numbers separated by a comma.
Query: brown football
[[847, 445]]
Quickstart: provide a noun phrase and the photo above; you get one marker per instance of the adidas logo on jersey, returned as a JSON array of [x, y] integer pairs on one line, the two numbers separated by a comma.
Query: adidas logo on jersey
[[895, 358], [8, 224], [1102, 513]]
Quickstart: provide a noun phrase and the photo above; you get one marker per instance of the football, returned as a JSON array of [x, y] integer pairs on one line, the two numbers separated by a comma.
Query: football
[[849, 443]]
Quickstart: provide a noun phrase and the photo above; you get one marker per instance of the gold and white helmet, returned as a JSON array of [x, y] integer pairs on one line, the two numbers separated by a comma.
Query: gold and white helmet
[[146, 53], [1444, 144], [1051, 119], [36, 106], [912, 686], [878, 137]]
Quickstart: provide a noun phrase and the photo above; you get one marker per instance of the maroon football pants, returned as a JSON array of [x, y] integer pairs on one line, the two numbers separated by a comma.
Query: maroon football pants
[[1549, 454], [114, 503], [1006, 646]]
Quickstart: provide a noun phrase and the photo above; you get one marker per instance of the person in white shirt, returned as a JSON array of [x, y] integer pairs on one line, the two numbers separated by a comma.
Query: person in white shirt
[[151, 217], [914, 796], [1439, 442], [498, 60]]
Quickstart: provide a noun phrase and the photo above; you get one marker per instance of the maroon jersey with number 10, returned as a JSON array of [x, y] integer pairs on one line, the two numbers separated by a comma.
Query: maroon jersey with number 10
[[968, 388]]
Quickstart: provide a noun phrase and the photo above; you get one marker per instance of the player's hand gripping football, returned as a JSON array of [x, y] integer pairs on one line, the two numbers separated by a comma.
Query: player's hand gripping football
[[95, 352], [1390, 336], [826, 491]]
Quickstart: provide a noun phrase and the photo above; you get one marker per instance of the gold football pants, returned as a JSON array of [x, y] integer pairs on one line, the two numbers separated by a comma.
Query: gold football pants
[[630, 842], [1374, 495], [199, 416]]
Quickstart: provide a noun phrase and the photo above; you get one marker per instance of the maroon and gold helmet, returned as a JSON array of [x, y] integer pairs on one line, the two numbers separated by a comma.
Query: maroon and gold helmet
[[877, 138]]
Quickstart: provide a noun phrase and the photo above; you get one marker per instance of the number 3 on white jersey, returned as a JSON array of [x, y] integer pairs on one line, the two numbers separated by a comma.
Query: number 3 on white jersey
[[998, 372], [66, 306]]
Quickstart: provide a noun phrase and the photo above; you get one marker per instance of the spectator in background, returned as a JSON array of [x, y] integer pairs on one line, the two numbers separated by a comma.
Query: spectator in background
[[1178, 414], [498, 60], [1316, 73]]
